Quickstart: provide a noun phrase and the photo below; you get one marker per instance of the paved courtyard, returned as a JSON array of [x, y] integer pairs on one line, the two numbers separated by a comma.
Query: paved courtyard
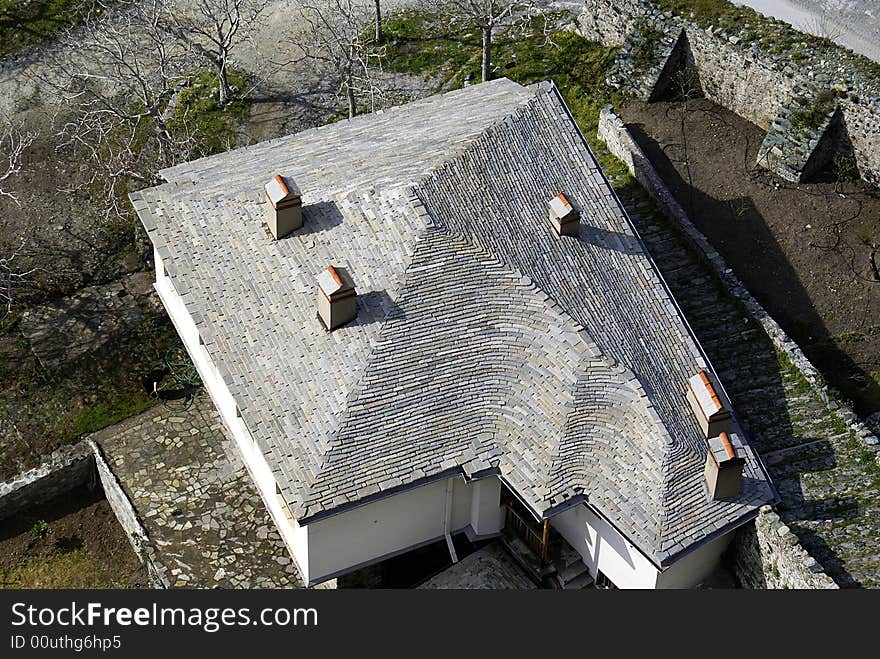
[[490, 568], [196, 500]]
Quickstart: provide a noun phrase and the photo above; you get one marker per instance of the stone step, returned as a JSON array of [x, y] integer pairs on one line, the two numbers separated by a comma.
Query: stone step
[[571, 572], [583, 580]]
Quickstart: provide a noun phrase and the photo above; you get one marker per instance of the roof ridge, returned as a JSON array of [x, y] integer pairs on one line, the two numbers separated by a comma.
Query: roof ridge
[[413, 202]]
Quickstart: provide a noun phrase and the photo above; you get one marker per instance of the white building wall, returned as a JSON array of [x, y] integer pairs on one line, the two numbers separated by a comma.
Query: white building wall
[[694, 568], [295, 537], [487, 515], [603, 548], [387, 526]]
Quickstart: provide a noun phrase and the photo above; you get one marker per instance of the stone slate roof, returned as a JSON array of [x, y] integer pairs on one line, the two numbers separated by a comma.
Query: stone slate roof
[[484, 342]]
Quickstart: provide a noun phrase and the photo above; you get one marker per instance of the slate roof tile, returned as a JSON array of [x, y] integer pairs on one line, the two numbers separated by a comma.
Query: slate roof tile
[[483, 339]]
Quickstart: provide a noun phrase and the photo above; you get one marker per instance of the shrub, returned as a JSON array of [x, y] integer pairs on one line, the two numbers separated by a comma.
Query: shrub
[[40, 530]]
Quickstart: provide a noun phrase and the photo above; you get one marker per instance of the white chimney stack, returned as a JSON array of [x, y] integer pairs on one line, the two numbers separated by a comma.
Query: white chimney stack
[[714, 418], [563, 216], [283, 206], [336, 297]]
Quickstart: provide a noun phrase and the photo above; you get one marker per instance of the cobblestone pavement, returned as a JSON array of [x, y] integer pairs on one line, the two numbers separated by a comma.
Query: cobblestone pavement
[[196, 500], [489, 568], [827, 480]]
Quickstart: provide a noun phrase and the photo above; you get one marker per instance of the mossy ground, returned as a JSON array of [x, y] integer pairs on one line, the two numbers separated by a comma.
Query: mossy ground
[[420, 42], [215, 125], [26, 23]]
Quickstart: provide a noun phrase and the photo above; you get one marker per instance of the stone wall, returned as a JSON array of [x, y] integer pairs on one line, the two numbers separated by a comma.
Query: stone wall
[[70, 467], [60, 472], [764, 86], [765, 554]]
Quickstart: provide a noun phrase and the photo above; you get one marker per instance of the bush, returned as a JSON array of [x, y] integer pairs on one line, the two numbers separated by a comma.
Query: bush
[[39, 530]]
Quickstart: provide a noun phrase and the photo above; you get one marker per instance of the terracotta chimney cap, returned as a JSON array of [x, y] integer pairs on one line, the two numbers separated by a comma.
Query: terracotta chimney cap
[[333, 282], [280, 189]]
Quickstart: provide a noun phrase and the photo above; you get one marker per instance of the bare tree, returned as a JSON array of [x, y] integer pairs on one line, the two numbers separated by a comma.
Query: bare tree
[[488, 16], [378, 21], [338, 40], [117, 78], [12, 278], [214, 29], [14, 139]]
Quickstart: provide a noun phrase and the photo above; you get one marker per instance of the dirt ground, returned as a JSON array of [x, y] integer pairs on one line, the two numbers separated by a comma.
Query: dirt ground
[[803, 250], [83, 546]]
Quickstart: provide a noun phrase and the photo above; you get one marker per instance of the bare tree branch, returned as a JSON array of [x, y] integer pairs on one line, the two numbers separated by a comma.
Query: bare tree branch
[[12, 279], [14, 139], [214, 29], [340, 41], [117, 79]]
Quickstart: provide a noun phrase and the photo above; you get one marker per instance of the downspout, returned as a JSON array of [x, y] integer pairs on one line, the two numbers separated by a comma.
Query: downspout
[[447, 521]]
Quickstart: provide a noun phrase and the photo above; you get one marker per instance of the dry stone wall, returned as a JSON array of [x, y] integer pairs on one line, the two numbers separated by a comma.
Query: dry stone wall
[[813, 109], [765, 554]]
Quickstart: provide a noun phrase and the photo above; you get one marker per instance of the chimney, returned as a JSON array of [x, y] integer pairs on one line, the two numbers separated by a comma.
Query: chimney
[[711, 414], [724, 466], [283, 206], [336, 297], [563, 216]]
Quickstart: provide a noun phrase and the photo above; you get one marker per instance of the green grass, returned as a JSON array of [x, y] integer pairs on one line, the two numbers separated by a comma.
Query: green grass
[[114, 408], [419, 42], [73, 569], [214, 124], [26, 23]]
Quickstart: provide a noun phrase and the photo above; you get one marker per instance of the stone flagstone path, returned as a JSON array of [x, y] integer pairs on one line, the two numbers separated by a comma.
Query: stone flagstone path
[[196, 500]]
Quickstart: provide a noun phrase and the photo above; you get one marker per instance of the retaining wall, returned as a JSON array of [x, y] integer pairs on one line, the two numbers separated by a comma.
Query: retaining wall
[[770, 89], [70, 467], [765, 554]]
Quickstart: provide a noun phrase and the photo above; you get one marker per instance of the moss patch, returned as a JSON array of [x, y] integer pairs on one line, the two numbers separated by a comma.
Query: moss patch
[[813, 112], [199, 110], [28, 22]]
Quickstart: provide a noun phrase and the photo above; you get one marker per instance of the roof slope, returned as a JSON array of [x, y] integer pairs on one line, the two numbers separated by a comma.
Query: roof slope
[[483, 340]]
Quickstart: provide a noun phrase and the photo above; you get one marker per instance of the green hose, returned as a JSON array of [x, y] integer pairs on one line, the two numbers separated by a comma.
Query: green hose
[[184, 377]]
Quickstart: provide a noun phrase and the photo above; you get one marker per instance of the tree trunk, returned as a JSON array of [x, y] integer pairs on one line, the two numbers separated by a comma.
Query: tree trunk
[[378, 22], [349, 92], [487, 51], [223, 81]]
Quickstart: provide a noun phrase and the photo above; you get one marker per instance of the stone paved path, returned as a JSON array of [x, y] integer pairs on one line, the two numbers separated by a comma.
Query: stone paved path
[[489, 568], [828, 481], [196, 500]]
